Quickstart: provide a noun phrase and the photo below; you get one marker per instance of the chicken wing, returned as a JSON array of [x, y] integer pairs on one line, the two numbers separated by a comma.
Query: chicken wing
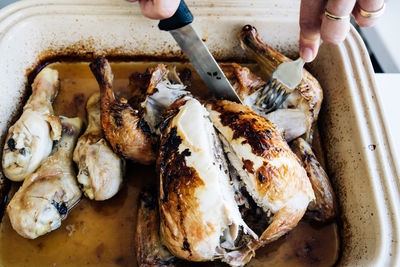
[[30, 139], [149, 249], [308, 95], [271, 173], [324, 207], [46, 196], [100, 170], [200, 220], [128, 134]]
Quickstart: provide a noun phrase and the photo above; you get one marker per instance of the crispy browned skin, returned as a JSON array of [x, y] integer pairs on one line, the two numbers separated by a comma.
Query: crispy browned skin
[[242, 79], [268, 59], [324, 207], [143, 84], [149, 250], [280, 181], [4, 189], [127, 133], [177, 186]]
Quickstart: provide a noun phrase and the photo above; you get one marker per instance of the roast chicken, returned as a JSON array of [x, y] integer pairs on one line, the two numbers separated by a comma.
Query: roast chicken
[[30, 139], [290, 122], [47, 195], [132, 131], [269, 171], [200, 220], [101, 171], [128, 134], [301, 106], [324, 207]]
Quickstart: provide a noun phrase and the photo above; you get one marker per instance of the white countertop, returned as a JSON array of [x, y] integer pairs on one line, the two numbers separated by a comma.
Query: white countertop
[[389, 92], [384, 38]]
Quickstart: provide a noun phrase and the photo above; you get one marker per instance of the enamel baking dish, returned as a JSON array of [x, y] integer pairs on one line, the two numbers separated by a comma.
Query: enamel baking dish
[[357, 146]]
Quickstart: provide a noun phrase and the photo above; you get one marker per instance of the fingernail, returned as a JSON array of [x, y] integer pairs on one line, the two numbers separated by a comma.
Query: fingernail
[[306, 54]]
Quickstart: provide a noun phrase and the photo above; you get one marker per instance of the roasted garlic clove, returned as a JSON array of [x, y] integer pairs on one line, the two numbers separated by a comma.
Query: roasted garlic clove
[[324, 207], [101, 171], [46, 196], [200, 220], [270, 172], [30, 139]]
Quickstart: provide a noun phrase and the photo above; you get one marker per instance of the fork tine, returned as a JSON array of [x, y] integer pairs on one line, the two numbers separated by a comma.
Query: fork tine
[[271, 105], [270, 92], [265, 91], [270, 100], [281, 99]]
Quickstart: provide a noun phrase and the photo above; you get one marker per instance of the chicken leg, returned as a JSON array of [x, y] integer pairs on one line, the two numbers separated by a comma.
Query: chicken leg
[[128, 134], [100, 170], [46, 196], [30, 139]]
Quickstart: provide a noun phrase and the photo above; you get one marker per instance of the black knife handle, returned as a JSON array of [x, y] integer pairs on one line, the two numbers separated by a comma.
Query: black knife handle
[[182, 17]]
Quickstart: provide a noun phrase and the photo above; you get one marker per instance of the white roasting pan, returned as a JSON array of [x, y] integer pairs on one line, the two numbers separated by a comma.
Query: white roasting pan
[[358, 150]]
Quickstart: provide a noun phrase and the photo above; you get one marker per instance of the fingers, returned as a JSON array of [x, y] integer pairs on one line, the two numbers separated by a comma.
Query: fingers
[[159, 9], [310, 24], [367, 5], [335, 31]]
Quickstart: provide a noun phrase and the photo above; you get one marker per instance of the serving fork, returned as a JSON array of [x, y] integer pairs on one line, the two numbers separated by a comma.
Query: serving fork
[[286, 77]]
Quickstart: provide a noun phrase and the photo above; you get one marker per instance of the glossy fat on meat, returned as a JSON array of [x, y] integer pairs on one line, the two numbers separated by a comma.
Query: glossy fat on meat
[[196, 200]]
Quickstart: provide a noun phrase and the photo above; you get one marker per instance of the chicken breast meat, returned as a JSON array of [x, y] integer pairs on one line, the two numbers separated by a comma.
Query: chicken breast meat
[[101, 171], [200, 220], [270, 172], [46, 196], [30, 139]]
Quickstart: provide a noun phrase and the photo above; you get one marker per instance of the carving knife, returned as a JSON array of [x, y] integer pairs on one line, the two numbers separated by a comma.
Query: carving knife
[[181, 29]]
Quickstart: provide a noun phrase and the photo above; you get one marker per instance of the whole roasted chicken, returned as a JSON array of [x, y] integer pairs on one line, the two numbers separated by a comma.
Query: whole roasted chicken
[[46, 196], [30, 139], [229, 182], [100, 170]]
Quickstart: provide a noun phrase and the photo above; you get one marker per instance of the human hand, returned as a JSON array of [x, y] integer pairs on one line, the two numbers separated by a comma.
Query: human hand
[[158, 9], [317, 21]]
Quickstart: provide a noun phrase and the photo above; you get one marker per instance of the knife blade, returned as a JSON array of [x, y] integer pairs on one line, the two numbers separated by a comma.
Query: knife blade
[[181, 29]]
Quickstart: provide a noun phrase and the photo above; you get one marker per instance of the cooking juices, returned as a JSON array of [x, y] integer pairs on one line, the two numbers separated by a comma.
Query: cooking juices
[[101, 233]]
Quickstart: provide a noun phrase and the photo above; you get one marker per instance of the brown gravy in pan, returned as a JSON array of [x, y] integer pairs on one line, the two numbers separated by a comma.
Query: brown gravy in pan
[[102, 233]]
